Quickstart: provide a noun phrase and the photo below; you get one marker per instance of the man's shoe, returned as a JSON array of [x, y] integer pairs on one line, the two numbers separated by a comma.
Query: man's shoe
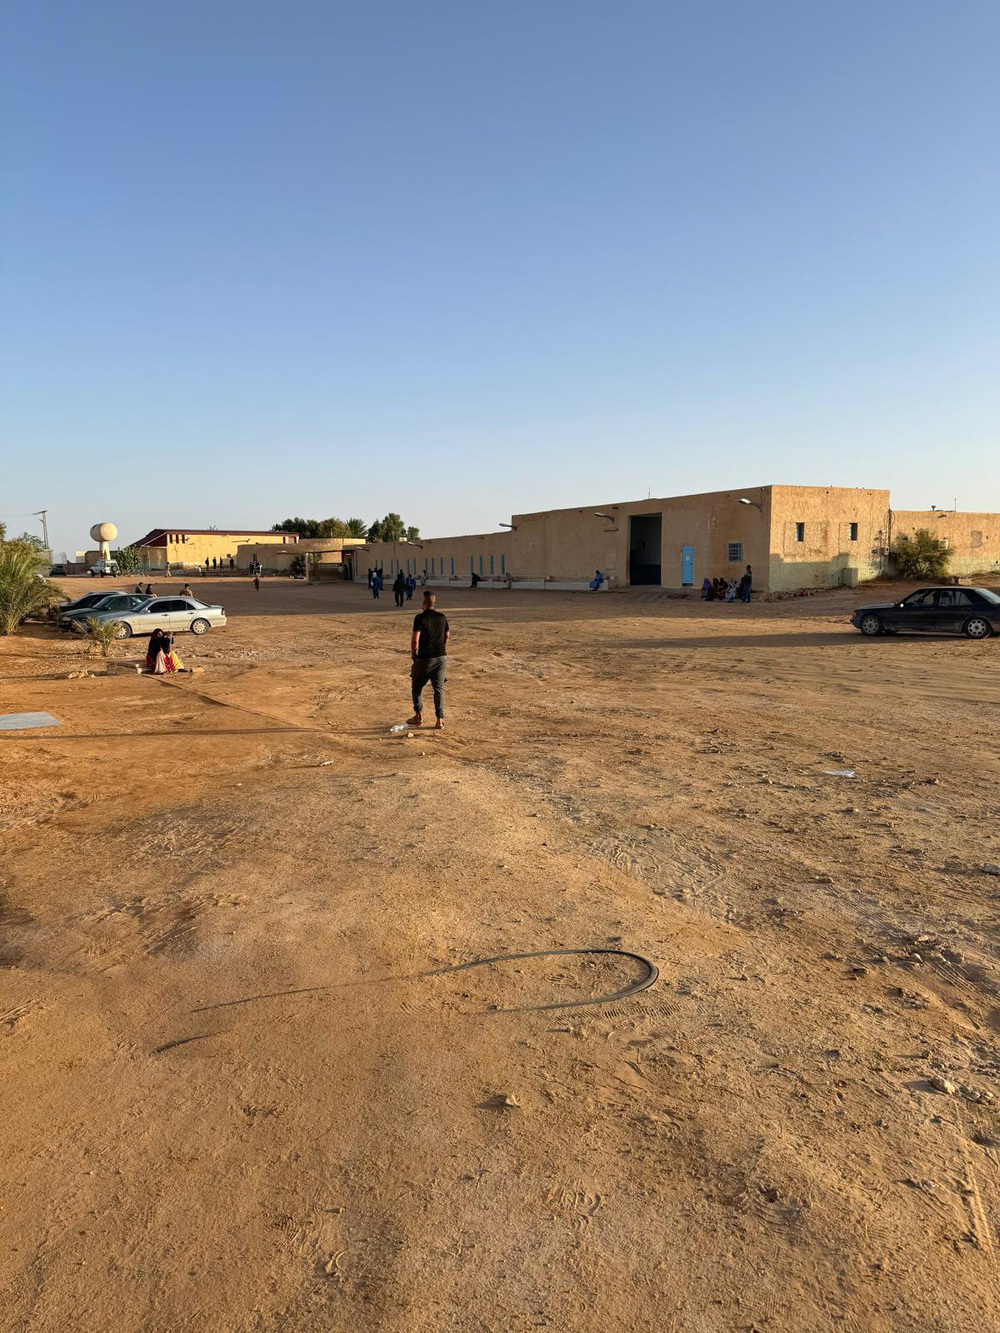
[[439, 724], [417, 720]]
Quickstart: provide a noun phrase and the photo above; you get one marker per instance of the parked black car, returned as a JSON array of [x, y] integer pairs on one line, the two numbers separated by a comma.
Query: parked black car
[[974, 612]]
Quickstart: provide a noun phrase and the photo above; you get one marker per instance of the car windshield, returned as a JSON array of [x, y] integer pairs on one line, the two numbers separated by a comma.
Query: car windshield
[[924, 598]]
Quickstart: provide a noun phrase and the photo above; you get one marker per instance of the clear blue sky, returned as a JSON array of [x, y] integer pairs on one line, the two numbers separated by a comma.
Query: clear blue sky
[[458, 259]]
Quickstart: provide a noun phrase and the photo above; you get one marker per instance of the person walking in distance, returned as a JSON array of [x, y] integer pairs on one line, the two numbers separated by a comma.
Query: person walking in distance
[[256, 582], [399, 588], [429, 649]]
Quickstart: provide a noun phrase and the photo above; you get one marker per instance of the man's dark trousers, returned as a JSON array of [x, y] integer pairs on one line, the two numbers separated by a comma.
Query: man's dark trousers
[[429, 670]]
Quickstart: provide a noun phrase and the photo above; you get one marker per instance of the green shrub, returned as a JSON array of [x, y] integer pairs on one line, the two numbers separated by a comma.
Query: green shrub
[[129, 559], [102, 634], [922, 556], [22, 592]]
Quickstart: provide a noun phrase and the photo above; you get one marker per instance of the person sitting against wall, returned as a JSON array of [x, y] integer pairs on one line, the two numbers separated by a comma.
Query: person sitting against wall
[[731, 591], [706, 590], [597, 580]]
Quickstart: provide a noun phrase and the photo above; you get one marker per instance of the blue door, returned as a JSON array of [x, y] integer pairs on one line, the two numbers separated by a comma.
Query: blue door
[[687, 566]]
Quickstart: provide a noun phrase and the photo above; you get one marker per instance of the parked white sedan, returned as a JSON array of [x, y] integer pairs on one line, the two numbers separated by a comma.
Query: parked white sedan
[[176, 614]]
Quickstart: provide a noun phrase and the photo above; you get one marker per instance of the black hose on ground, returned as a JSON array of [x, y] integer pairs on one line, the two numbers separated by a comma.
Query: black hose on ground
[[644, 983]]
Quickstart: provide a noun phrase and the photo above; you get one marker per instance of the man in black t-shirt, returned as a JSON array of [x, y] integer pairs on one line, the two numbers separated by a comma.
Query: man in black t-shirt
[[428, 649]]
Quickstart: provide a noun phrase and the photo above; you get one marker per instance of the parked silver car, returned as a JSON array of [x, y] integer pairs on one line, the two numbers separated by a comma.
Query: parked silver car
[[175, 614], [112, 601]]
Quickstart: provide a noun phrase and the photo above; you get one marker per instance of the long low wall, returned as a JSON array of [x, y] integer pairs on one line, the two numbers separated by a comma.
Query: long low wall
[[792, 537]]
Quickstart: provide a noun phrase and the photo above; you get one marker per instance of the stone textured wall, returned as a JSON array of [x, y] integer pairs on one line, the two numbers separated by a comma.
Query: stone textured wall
[[973, 539], [811, 542]]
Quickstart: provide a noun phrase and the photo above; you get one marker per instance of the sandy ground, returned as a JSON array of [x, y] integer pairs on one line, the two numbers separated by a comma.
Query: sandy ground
[[232, 1103]]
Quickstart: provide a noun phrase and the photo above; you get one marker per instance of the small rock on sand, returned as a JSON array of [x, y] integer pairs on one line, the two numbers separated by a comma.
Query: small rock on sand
[[944, 1085]]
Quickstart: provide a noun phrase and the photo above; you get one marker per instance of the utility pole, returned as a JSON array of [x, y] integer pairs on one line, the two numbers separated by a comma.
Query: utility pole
[[41, 513]]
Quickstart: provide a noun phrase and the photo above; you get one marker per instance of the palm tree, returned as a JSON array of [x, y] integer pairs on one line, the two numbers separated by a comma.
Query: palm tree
[[357, 527], [22, 592]]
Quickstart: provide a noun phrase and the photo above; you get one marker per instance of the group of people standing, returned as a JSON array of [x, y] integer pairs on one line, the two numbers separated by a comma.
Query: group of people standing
[[403, 585], [728, 590]]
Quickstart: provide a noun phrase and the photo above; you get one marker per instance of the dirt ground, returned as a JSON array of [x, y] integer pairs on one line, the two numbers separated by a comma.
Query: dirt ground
[[233, 1104]]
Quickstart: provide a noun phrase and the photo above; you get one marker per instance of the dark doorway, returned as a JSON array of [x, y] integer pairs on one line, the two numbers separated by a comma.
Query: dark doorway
[[645, 542]]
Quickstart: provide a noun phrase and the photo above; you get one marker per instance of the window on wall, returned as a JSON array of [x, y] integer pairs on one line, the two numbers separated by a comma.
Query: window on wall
[[800, 532], [432, 564], [503, 564], [491, 566], [854, 532], [480, 564], [453, 564], [735, 552]]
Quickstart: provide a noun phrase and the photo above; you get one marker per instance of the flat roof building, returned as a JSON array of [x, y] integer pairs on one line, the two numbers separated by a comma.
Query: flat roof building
[[189, 548], [793, 537]]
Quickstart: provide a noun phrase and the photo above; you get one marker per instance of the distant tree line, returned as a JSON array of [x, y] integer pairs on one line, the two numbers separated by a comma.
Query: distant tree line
[[388, 529]]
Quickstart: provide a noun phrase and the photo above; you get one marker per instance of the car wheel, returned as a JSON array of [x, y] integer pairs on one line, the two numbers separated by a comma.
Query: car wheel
[[123, 631], [977, 628], [870, 625], [200, 626]]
